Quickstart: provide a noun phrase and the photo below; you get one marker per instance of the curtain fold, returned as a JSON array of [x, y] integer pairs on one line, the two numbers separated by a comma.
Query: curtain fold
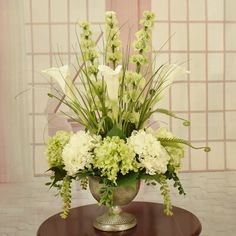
[[15, 160]]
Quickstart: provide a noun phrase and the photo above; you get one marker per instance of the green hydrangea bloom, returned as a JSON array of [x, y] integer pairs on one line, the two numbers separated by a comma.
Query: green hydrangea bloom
[[176, 154], [114, 156], [176, 151], [55, 145]]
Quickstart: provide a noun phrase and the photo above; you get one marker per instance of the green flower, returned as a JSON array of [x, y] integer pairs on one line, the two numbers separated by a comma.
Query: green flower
[[114, 156], [148, 15], [55, 147], [113, 43], [88, 49], [175, 151], [138, 59]]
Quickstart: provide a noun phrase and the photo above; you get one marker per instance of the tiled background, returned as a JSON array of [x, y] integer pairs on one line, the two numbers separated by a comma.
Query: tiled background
[[202, 36]]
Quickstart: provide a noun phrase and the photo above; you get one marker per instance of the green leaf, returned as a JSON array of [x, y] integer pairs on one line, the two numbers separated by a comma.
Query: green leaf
[[173, 141], [169, 113], [129, 179], [115, 131], [59, 174], [147, 177]]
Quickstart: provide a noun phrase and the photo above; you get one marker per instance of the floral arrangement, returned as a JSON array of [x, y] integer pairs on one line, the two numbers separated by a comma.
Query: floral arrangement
[[114, 103]]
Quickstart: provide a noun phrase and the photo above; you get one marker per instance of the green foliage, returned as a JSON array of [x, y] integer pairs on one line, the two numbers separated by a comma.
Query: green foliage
[[175, 141], [58, 175], [115, 131], [129, 179], [106, 193]]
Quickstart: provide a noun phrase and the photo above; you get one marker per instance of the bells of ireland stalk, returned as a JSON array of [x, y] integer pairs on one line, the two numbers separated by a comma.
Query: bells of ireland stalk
[[111, 78], [62, 76]]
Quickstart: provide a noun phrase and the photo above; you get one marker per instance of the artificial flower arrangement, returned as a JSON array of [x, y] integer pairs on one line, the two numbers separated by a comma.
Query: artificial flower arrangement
[[114, 104]]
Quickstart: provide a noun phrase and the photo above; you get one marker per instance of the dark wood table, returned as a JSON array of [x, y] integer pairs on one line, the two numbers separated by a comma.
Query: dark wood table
[[150, 222]]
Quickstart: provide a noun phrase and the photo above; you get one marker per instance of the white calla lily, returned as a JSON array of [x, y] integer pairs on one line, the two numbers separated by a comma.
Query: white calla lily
[[62, 76], [166, 76], [111, 78]]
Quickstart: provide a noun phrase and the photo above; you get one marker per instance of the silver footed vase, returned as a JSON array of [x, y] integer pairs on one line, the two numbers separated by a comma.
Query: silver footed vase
[[115, 219]]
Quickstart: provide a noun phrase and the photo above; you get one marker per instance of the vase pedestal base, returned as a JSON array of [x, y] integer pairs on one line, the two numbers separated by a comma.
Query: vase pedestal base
[[115, 220]]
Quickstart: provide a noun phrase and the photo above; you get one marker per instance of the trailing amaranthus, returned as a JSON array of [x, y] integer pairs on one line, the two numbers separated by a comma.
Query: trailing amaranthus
[[88, 49], [165, 192], [66, 195], [141, 44], [113, 46]]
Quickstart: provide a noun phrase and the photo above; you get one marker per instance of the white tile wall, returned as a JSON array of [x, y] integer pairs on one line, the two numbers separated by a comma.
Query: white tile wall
[[198, 96], [197, 36], [216, 156], [58, 10], [161, 9], [59, 40], [230, 69], [39, 7], [178, 10], [96, 10], [159, 39], [230, 35], [215, 36], [41, 39], [215, 9], [179, 129], [198, 121], [215, 119], [230, 98], [231, 151], [180, 104], [230, 10], [77, 10], [197, 10], [230, 128], [197, 66], [215, 96], [198, 158], [179, 39], [215, 66]]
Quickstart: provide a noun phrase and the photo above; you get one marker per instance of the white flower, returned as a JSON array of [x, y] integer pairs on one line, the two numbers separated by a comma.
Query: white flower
[[63, 78], [77, 153], [111, 78], [166, 76], [151, 154]]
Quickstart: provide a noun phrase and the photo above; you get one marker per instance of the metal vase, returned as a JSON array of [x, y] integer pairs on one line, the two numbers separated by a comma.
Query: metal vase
[[114, 219]]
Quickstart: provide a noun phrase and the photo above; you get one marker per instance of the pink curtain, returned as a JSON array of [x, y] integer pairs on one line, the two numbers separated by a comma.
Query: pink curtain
[[15, 163]]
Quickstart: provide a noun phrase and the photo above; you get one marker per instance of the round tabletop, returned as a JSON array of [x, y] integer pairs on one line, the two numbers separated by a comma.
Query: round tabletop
[[151, 221]]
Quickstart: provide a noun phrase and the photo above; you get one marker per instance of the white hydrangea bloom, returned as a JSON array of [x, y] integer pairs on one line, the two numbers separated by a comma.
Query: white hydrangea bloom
[[77, 153], [152, 156]]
